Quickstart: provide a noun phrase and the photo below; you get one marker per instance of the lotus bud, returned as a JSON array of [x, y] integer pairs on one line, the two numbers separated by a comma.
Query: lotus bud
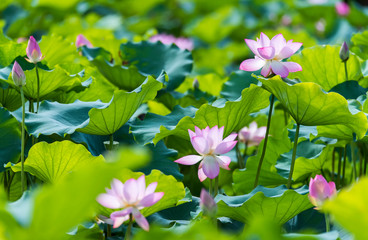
[[33, 51], [320, 190], [344, 52], [195, 83], [19, 78], [342, 8], [207, 204], [82, 41]]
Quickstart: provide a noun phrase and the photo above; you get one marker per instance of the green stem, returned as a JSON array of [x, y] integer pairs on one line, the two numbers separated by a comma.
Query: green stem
[[38, 88], [327, 222], [360, 163], [238, 155], [333, 165], [339, 169], [265, 141], [344, 166], [346, 71], [22, 139], [111, 142], [128, 232], [216, 186], [353, 160], [365, 163], [210, 188], [108, 230], [293, 156]]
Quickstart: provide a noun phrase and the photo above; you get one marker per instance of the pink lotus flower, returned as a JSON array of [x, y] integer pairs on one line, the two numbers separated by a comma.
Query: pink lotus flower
[[209, 144], [253, 135], [82, 41], [269, 55], [33, 51], [182, 43], [132, 196], [19, 78], [320, 190], [342, 8], [207, 204]]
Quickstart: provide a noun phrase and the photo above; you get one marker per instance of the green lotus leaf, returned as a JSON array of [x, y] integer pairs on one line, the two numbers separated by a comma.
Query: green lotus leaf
[[322, 65], [10, 99], [52, 162], [309, 105], [173, 190], [360, 44], [151, 58], [9, 138], [9, 50], [278, 204], [349, 209], [56, 79], [121, 108], [127, 78], [232, 115]]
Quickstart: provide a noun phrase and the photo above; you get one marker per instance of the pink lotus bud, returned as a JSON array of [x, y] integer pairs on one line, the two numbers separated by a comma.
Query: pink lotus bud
[[33, 51], [253, 135], [344, 52], [342, 8], [19, 78], [82, 41], [208, 204], [320, 190], [195, 83]]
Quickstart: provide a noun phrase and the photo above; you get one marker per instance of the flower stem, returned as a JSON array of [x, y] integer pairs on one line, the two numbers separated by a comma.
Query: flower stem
[[333, 165], [339, 169], [210, 188], [111, 142], [353, 160], [265, 141], [294, 155], [327, 219], [344, 166], [38, 89], [108, 230], [346, 71], [22, 178], [128, 232], [216, 186]]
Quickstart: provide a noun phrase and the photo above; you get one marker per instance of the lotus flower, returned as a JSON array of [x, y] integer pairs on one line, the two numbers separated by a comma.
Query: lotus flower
[[253, 135], [209, 144], [19, 78], [132, 196], [82, 41], [320, 190], [33, 51], [207, 204], [182, 43], [344, 52], [269, 55], [342, 8]]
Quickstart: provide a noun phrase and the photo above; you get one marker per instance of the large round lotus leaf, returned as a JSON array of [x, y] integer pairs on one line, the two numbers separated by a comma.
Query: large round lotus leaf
[[121, 108], [309, 105], [9, 138], [52, 162], [152, 58], [279, 204], [322, 65], [10, 99]]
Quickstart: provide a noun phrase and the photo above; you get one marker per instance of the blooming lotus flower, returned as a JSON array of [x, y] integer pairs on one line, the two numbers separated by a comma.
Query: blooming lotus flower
[[269, 55], [82, 41], [342, 8], [19, 78], [209, 144], [320, 190], [33, 51], [207, 204], [182, 43], [253, 135], [132, 196]]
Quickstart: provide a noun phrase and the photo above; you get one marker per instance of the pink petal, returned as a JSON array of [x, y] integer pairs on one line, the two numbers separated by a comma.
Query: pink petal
[[294, 45], [253, 45], [264, 40], [131, 190], [319, 188], [109, 201], [200, 144], [221, 132], [266, 52], [189, 160], [223, 161], [266, 70], [117, 187], [140, 219], [278, 42], [201, 174], [82, 41], [210, 167], [141, 183], [251, 65], [151, 188], [213, 137], [285, 53], [120, 217], [292, 66], [279, 69], [151, 199], [225, 147], [198, 131], [191, 133], [231, 137], [332, 188]]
